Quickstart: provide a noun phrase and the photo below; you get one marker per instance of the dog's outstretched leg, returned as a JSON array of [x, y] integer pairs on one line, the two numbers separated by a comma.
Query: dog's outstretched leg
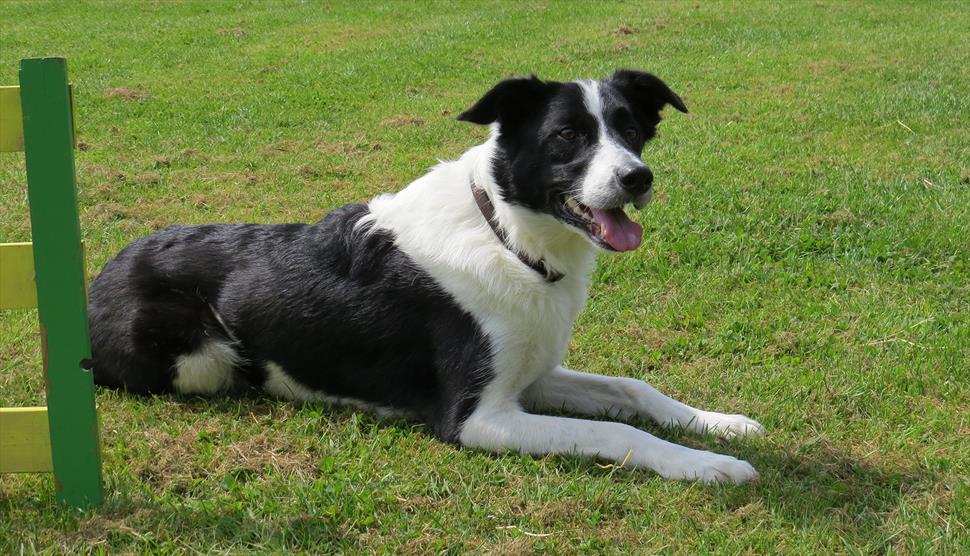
[[510, 429], [627, 398]]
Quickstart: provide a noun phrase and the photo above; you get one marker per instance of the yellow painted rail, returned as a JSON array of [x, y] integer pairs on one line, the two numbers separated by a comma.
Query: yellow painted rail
[[11, 120], [17, 287], [25, 440]]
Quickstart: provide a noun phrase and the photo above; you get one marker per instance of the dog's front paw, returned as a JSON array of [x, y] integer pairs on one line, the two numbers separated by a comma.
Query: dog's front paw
[[708, 467], [726, 426]]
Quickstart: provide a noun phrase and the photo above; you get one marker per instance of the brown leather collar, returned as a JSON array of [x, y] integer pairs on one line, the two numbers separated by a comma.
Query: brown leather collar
[[488, 211]]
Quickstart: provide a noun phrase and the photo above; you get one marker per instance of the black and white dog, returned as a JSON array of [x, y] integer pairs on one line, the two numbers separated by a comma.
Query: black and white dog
[[451, 301]]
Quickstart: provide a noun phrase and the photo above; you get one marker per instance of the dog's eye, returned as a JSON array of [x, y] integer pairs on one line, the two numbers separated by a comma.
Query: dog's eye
[[631, 134], [567, 133]]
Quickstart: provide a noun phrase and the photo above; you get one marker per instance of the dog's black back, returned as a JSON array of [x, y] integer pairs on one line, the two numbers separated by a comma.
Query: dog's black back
[[343, 312]]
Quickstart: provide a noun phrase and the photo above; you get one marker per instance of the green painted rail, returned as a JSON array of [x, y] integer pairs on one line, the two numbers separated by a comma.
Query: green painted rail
[[48, 144]]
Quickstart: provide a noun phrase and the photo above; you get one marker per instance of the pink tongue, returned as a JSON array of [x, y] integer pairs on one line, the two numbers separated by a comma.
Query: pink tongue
[[617, 229]]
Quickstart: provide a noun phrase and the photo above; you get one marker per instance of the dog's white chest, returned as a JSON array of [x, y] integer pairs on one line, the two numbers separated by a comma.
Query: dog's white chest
[[530, 338]]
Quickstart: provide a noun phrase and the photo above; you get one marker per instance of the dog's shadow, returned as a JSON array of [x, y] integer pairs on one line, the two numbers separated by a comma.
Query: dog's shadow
[[854, 495], [805, 484], [811, 485]]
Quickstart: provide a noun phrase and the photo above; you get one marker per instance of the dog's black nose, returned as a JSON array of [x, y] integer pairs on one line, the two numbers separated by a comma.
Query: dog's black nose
[[636, 180]]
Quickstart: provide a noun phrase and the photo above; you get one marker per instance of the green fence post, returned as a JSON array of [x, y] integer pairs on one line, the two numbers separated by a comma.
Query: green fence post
[[59, 266]]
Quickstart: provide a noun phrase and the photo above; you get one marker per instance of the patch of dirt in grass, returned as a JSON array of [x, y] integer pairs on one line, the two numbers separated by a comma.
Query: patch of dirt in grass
[[126, 93], [699, 368], [965, 175], [147, 178], [263, 451], [403, 121], [840, 217], [418, 503], [425, 543], [817, 166], [658, 24], [161, 162], [187, 154], [835, 7], [360, 147], [616, 532], [233, 32], [780, 170], [286, 146], [653, 338], [220, 200], [821, 68], [175, 460], [623, 30], [171, 462], [548, 514], [308, 171], [322, 40], [107, 212], [783, 343], [100, 527], [620, 46], [513, 547], [230, 180], [341, 172], [782, 89]]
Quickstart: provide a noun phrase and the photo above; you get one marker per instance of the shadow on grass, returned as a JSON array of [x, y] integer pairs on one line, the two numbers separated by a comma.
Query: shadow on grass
[[178, 497], [125, 522], [816, 488], [826, 490]]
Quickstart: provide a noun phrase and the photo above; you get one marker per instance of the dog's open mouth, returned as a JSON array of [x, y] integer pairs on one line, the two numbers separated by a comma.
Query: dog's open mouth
[[609, 228]]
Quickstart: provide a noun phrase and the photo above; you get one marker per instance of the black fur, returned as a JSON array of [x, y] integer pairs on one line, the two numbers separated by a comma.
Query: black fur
[[342, 312]]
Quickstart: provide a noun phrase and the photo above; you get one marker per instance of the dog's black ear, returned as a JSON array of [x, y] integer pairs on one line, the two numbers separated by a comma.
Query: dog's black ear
[[646, 91], [510, 100]]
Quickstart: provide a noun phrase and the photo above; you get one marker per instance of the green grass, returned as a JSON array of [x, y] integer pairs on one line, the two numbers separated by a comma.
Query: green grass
[[806, 263]]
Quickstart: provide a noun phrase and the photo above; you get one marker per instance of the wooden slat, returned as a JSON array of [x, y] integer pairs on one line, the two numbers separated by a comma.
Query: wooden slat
[[11, 120], [59, 267], [25, 442], [17, 288]]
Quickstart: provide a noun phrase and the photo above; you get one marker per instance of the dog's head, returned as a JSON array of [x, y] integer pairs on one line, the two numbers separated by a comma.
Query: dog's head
[[572, 150]]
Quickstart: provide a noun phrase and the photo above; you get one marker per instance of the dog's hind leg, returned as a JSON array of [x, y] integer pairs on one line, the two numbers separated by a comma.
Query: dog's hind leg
[[627, 398], [509, 429]]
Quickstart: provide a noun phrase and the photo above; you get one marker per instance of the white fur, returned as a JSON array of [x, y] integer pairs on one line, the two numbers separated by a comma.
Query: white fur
[[600, 188], [626, 399], [541, 434], [281, 385], [209, 370], [436, 222]]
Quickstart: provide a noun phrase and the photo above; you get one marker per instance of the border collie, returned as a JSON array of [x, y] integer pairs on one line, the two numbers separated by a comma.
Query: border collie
[[451, 301]]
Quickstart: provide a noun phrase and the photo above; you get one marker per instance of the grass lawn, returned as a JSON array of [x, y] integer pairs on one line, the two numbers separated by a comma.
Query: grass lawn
[[806, 262]]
